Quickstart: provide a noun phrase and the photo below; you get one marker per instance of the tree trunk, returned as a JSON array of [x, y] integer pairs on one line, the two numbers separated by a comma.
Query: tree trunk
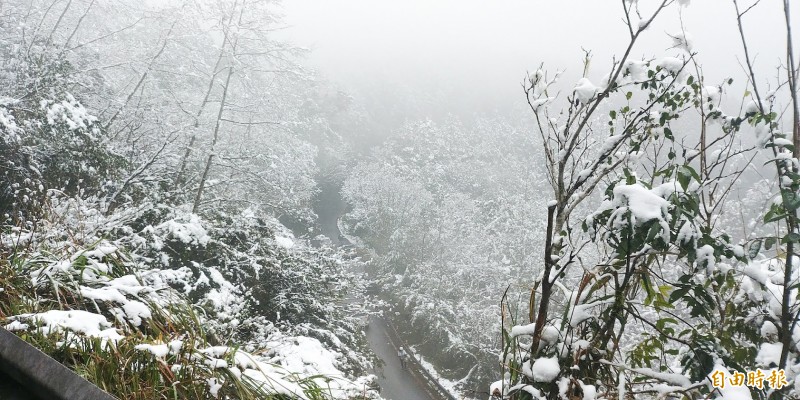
[[210, 158]]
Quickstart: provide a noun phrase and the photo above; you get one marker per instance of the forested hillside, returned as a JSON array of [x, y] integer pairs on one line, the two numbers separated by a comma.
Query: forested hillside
[[152, 156], [635, 239], [189, 211]]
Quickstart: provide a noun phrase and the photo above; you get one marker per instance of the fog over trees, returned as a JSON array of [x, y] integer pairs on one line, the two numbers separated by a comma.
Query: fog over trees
[[250, 199]]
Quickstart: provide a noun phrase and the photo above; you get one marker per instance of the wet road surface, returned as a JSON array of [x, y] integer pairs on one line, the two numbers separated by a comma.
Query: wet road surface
[[395, 382]]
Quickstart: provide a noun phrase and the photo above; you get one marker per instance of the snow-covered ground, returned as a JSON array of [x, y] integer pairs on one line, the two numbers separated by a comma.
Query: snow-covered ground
[[94, 289]]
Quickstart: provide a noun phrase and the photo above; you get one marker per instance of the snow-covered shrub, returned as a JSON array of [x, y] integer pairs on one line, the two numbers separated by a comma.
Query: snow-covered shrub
[[652, 282], [248, 273], [48, 139], [83, 291], [104, 140]]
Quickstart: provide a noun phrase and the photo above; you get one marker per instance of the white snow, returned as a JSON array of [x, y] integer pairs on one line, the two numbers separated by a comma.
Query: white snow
[[214, 386], [610, 143], [523, 330], [448, 384], [304, 355], [755, 272], [589, 391], [581, 312], [705, 254], [77, 321], [543, 369], [642, 202], [671, 64], [69, 112], [536, 104], [580, 345], [585, 90], [136, 311], [131, 298], [637, 70], [769, 353], [769, 330], [102, 294], [16, 326], [711, 94], [215, 363], [550, 334], [284, 242], [175, 346], [751, 107], [189, 232], [157, 350], [688, 232], [671, 378], [683, 41]]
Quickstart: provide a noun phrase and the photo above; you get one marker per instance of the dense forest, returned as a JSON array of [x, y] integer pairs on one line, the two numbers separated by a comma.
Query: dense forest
[[153, 156], [190, 212]]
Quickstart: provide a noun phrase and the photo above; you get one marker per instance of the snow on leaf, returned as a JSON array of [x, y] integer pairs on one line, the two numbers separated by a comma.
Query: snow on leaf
[[585, 90], [544, 369]]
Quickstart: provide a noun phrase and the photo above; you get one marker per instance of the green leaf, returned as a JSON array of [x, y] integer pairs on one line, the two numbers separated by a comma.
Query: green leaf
[[662, 322], [775, 213], [653, 232], [792, 201], [772, 116], [691, 171], [769, 242], [668, 133], [755, 247], [677, 294], [683, 179], [630, 179], [690, 80], [793, 237], [685, 175]]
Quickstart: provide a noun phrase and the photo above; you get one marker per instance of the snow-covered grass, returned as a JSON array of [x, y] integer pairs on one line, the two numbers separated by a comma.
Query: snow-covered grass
[[73, 290]]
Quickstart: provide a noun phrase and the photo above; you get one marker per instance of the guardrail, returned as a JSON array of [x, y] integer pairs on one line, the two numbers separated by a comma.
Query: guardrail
[[44, 377], [418, 369]]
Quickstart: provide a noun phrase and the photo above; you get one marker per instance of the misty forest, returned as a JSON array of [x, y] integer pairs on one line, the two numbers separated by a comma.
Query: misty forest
[[230, 199]]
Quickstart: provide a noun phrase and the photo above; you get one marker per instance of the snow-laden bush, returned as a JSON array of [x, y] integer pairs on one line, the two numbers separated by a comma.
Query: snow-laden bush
[[53, 144], [95, 293], [655, 280]]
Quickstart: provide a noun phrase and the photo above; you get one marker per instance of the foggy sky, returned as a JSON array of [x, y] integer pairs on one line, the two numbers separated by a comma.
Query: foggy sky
[[480, 50]]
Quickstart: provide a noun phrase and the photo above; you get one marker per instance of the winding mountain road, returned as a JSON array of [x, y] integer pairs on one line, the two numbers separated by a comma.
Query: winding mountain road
[[396, 383]]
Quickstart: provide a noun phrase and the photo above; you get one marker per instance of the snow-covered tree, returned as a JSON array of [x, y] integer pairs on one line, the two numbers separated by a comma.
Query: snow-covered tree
[[147, 152], [451, 211], [648, 286]]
